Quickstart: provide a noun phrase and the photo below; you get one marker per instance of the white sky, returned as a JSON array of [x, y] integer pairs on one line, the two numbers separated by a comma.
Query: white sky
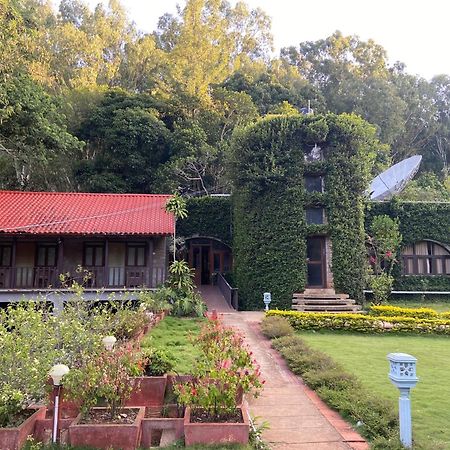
[[414, 32]]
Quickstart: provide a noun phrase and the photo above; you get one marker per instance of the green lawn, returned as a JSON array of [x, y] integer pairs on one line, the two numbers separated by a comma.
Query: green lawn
[[365, 356], [172, 334]]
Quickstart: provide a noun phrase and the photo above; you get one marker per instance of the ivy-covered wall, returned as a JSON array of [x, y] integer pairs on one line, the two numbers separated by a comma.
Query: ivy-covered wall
[[418, 221], [209, 217], [270, 230]]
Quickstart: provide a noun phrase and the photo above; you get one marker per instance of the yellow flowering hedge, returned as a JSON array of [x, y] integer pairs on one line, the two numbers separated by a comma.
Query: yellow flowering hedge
[[397, 311], [363, 323]]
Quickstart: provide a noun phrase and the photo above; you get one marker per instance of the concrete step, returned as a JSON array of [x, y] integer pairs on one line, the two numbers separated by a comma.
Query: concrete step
[[323, 301], [331, 309], [324, 291], [330, 296]]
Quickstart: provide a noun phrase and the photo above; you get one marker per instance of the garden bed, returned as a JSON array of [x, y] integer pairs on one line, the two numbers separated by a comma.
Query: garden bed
[[174, 335]]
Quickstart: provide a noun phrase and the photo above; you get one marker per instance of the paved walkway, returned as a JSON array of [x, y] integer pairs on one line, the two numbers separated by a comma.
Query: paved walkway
[[298, 419]]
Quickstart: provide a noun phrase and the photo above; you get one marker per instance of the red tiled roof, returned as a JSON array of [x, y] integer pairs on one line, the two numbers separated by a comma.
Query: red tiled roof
[[80, 213]]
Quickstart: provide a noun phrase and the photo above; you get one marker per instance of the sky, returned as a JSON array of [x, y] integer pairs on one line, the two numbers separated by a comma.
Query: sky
[[414, 32]]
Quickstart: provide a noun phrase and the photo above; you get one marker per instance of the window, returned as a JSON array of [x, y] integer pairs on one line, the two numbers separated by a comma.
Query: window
[[314, 184], [426, 258], [46, 255], [314, 154], [94, 255], [136, 255], [5, 255], [315, 216]]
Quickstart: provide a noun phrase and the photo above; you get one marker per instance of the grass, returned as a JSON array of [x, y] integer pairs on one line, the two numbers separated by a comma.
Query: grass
[[365, 356], [173, 335]]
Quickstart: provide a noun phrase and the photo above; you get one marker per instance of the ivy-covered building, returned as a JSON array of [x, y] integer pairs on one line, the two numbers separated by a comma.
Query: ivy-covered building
[[297, 216]]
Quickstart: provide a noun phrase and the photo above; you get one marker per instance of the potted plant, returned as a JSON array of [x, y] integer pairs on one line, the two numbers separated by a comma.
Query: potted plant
[[105, 378], [214, 412], [149, 386]]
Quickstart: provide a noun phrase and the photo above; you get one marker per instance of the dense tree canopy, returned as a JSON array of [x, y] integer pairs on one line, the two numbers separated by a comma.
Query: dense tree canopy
[[89, 102]]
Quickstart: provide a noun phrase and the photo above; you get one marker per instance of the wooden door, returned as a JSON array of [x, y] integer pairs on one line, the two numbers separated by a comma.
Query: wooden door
[[316, 262]]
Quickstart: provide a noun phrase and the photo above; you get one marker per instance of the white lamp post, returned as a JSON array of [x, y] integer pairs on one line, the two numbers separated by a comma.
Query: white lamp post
[[403, 376], [108, 342], [57, 372]]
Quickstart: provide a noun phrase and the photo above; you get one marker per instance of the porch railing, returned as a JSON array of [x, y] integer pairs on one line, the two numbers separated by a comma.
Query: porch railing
[[230, 293], [93, 278]]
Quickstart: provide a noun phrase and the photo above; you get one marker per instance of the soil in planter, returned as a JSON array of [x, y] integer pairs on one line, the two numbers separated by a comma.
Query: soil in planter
[[204, 416], [96, 416], [19, 418]]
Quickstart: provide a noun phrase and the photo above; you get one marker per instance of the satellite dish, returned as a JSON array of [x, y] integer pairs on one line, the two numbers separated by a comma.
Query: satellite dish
[[393, 180]]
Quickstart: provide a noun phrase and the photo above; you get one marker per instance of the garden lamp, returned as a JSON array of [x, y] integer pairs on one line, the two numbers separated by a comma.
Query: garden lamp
[[108, 342], [57, 372]]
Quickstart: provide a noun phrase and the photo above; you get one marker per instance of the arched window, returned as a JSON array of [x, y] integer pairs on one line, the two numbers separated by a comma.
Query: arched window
[[426, 258]]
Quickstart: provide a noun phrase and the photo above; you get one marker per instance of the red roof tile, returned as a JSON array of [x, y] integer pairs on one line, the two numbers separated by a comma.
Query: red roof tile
[[80, 213]]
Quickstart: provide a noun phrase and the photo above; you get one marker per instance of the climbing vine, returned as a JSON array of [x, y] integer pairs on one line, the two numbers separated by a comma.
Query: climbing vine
[[270, 227]]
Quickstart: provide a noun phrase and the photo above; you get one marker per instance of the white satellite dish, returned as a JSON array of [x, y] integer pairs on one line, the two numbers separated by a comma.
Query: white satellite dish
[[393, 180]]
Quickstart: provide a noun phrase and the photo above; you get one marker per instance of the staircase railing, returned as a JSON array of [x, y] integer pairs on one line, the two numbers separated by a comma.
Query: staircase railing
[[230, 293]]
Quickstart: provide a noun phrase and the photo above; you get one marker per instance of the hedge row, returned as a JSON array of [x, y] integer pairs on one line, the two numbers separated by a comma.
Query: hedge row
[[363, 323], [397, 311], [416, 313]]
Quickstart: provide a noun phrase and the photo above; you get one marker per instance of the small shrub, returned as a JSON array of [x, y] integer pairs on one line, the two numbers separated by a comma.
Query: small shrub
[[334, 378], [275, 327], [126, 323], [289, 341], [381, 286], [157, 362]]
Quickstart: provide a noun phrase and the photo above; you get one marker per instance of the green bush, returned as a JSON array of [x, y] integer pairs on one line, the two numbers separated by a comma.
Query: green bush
[[157, 361], [275, 327]]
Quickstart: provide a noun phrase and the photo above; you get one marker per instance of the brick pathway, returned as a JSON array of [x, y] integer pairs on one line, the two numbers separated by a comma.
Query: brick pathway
[[298, 419]]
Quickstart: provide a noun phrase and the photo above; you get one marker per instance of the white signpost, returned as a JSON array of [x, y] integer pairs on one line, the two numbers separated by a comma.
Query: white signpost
[[267, 300]]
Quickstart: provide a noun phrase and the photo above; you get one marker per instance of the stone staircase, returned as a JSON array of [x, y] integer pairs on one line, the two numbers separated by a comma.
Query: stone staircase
[[324, 301]]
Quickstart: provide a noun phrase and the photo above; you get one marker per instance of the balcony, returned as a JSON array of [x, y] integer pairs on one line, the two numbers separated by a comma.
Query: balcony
[[98, 277]]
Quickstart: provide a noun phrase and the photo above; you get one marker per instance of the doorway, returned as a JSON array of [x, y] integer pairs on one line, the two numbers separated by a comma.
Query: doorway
[[207, 257], [316, 262]]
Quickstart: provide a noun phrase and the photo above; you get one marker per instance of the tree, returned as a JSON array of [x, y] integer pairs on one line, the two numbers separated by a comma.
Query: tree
[[35, 147], [209, 40], [126, 142]]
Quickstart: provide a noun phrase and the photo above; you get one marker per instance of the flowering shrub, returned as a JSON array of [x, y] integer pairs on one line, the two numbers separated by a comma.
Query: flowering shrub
[[417, 313], [383, 243], [225, 369], [104, 376]]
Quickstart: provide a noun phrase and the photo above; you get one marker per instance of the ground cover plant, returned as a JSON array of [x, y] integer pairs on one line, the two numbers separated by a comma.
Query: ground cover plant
[[173, 335], [364, 356]]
